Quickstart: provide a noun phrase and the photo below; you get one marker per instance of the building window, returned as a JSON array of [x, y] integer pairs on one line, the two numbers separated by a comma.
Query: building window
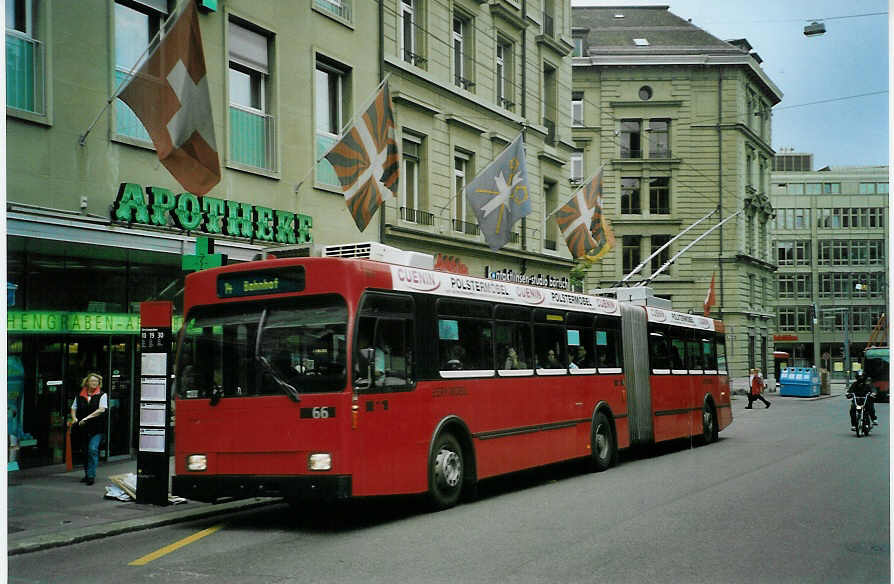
[[630, 139], [812, 189], [577, 109], [785, 317], [630, 188], [25, 58], [408, 50], [505, 67], [659, 138], [751, 292], [329, 83], [463, 216], [462, 53], [412, 200], [659, 195], [794, 286], [630, 250], [793, 253], [792, 188], [749, 232], [578, 50], [831, 188], [134, 28], [551, 229], [876, 251], [576, 162], [251, 125], [338, 8], [548, 103], [867, 188], [657, 241]]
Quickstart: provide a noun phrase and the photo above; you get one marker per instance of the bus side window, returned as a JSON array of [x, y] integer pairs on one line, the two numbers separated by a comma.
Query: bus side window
[[658, 351], [677, 351], [608, 343], [465, 344], [694, 355], [720, 343], [708, 355]]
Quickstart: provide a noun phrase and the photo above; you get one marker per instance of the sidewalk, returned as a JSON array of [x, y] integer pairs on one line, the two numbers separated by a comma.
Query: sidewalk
[[48, 507]]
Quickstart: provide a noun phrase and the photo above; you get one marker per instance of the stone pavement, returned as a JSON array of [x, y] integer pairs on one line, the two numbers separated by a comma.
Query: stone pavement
[[49, 507]]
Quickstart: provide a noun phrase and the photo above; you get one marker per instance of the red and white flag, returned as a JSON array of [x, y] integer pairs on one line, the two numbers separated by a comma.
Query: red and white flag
[[169, 93], [710, 298]]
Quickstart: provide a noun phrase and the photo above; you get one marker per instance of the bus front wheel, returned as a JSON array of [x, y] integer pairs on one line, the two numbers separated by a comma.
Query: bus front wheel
[[602, 444], [445, 472], [709, 424]]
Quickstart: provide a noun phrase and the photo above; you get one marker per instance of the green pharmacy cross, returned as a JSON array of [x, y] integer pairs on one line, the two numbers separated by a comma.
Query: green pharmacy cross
[[205, 257]]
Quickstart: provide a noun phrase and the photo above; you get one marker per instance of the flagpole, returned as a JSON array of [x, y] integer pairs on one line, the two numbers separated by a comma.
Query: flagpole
[[82, 139], [359, 113]]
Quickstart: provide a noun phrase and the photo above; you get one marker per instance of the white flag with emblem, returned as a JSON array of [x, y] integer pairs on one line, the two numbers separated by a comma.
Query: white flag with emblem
[[169, 93]]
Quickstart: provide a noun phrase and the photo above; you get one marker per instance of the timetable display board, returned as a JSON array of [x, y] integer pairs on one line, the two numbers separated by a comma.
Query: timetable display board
[[156, 338]]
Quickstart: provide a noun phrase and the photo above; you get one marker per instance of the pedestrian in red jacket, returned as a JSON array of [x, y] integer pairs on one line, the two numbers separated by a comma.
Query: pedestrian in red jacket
[[757, 386]]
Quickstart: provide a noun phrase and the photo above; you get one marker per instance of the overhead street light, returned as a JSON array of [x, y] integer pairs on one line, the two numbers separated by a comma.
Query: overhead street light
[[815, 29]]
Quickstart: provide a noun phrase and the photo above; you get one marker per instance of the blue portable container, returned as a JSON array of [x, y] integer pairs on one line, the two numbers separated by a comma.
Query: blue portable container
[[799, 382]]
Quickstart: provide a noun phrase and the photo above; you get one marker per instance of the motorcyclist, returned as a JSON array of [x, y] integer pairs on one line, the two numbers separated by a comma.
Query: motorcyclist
[[863, 387]]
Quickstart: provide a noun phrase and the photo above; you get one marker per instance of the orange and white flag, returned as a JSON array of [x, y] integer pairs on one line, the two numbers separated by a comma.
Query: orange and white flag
[[169, 93], [710, 298]]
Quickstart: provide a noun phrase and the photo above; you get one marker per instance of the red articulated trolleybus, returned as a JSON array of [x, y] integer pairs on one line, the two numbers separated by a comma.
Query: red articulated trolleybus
[[332, 377]]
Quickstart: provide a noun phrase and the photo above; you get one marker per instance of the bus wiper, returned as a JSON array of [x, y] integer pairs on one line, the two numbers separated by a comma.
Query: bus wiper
[[288, 388]]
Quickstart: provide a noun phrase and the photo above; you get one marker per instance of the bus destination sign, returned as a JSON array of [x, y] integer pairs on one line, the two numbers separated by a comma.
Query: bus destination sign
[[259, 282]]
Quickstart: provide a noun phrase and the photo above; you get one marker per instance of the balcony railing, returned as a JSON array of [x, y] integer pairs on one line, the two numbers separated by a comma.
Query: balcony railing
[[465, 227], [25, 73], [411, 57], [417, 216], [466, 84], [659, 152], [549, 244], [252, 138], [630, 153], [550, 130], [339, 8]]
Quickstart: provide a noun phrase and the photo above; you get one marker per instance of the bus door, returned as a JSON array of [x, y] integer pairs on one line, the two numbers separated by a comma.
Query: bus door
[[383, 382]]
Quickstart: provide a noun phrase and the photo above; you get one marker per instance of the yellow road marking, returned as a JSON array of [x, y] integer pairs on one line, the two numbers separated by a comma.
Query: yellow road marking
[[175, 546]]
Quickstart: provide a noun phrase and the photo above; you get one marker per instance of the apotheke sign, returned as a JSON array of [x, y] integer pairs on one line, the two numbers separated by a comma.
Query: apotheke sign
[[159, 206]]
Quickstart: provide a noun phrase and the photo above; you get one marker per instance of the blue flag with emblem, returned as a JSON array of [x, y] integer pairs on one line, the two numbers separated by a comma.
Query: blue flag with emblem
[[499, 194]]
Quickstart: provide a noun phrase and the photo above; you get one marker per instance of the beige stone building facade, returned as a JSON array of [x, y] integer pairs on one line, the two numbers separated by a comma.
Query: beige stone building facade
[[679, 123]]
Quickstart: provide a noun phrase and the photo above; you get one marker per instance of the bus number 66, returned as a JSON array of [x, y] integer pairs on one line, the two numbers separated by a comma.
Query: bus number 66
[[318, 413]]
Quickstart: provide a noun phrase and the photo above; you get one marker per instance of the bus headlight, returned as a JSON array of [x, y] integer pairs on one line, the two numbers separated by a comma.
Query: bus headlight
[[319, 461], [195, 462]]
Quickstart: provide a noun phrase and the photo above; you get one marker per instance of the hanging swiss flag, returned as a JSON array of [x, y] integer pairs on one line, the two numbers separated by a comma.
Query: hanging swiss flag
[[169, 93], [710, 298]]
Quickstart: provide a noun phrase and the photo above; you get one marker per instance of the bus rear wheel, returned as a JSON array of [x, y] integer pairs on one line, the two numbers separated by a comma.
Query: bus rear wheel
[[445, 472], [602, 444]]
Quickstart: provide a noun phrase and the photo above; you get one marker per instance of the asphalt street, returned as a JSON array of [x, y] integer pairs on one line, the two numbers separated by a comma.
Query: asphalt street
[[788, 494]]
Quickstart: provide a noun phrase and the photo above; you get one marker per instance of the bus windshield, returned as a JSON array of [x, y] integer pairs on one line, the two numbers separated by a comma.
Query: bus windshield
[[292, 347]]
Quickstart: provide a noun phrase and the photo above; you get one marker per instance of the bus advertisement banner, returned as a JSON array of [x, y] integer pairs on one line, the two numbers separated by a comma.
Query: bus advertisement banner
[[410, 279]]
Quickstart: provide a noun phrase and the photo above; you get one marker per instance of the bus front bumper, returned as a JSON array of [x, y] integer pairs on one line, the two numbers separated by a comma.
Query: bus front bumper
[[211, 488]]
